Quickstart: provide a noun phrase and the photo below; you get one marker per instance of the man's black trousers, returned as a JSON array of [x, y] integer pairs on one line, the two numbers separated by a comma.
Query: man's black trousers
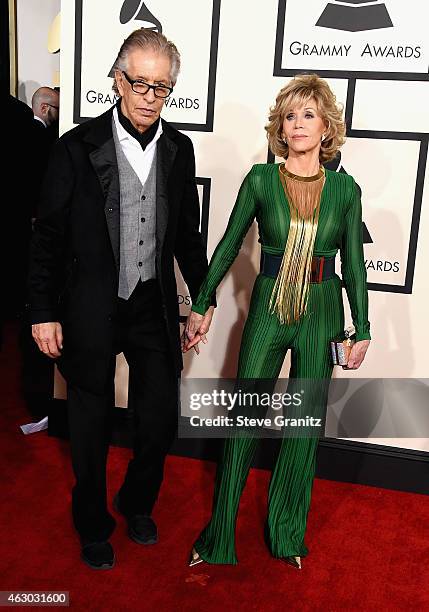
[[153, 400]]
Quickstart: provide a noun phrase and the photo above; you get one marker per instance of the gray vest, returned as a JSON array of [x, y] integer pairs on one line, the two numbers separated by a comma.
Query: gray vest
[[137, 224]]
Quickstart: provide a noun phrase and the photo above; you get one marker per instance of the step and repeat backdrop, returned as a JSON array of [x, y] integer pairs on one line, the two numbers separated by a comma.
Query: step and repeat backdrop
[[236, 56]]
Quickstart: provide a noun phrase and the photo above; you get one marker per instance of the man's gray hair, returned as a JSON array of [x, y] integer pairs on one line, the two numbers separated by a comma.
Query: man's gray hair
[[147, 39]]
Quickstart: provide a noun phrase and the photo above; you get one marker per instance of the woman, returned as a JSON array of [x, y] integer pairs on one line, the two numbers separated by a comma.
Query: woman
[[305, 214]]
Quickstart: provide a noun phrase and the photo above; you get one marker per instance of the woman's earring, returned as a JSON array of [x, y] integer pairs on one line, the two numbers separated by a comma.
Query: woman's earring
[[323, 137]]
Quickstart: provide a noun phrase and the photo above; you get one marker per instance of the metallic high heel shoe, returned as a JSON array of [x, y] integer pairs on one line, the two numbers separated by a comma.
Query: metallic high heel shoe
[[195, 558], [294, 561]]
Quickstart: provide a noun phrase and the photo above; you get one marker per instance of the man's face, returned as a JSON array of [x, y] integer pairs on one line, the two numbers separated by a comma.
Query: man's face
[[50, 111], [53, 109], [153, 68]]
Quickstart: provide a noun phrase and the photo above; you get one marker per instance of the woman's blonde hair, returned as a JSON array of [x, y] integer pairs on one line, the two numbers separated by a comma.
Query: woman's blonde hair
[[297, 92]]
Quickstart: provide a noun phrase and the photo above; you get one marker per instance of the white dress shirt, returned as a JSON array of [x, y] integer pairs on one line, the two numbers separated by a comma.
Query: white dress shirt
[[141, 161]]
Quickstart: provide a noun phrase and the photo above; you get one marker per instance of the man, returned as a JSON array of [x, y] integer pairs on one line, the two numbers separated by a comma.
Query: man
[[45, 104], [37, 370], [119, 203]]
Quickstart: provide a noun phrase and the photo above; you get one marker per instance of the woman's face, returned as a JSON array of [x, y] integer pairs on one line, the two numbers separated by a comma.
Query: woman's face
[[303, 128]]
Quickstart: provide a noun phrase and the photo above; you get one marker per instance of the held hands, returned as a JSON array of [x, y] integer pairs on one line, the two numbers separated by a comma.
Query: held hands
[[357, 355], [49, 338], [195, 330]]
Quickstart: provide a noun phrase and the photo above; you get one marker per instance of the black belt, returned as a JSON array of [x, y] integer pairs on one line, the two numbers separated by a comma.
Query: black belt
[[322, 268]]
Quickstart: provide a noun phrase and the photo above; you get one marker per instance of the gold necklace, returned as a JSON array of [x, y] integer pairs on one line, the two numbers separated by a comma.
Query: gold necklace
[[302, 192], [290, 292], [305, 179]]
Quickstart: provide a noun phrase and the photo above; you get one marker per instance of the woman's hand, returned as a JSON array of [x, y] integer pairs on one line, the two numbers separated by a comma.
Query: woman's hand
[[357, 354], [195, 330], [190, 337]]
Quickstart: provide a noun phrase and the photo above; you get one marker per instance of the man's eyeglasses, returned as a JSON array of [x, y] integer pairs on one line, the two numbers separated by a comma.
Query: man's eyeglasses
[[141, 87], [52, 106]]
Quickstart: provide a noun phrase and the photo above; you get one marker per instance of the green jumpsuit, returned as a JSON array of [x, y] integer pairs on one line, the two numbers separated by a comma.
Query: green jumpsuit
[[265, 342]]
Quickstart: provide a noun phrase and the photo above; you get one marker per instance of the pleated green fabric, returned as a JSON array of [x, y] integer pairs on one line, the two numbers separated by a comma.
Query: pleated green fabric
[[265, 342]]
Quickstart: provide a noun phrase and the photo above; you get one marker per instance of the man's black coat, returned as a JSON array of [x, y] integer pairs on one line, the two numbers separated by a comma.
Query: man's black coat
[[74, 263]]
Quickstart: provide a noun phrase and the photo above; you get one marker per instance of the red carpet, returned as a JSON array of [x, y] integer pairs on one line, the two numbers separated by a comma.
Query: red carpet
[[369, 547]]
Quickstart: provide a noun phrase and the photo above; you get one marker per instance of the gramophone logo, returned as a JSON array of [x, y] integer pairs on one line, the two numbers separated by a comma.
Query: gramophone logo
[[355, 16], [137, 10]]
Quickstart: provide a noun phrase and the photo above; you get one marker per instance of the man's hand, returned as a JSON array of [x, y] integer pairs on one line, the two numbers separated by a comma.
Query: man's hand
[[195, 330], [357, 355], [49, 338]]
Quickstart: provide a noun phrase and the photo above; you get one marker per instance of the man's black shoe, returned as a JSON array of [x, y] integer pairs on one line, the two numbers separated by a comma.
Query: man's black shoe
[[98, 555], [141, 527]]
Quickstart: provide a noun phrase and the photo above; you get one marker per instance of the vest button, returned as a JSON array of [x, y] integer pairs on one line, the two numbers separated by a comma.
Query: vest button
[[140, 242], [143, 197], [140, 264], [142, 219], [110, 210]]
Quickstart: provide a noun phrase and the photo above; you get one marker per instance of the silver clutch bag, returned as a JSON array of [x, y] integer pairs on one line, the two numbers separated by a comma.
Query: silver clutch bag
[[342, 345]]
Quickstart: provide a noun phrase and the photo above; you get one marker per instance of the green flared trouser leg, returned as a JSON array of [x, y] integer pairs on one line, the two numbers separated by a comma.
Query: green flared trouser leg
[[292, 480], [263, 348], [216, 542]]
